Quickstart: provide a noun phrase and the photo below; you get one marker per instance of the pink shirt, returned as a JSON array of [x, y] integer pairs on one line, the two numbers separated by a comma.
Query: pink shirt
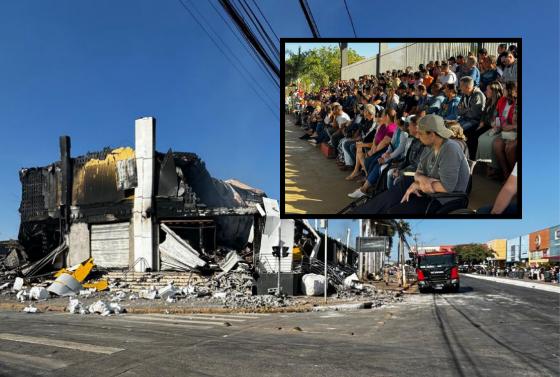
[[385, 131]]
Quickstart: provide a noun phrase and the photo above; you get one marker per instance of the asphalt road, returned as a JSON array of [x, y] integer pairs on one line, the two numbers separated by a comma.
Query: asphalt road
[[488, 329]]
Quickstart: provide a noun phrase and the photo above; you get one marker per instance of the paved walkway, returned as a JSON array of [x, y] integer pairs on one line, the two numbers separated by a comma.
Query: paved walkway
[[542, 286], [315, 185]]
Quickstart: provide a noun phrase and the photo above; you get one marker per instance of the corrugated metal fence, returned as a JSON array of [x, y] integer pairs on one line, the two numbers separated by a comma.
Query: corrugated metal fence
[[413, 54]]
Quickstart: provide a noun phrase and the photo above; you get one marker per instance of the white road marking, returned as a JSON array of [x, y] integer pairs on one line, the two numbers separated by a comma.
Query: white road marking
[[165, 324], [22, 360], [238, 316], [205, 318], [156, 318], [60, 343]]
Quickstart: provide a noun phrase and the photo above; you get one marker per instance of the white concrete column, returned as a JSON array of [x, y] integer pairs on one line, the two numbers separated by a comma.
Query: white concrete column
[[142, 212]]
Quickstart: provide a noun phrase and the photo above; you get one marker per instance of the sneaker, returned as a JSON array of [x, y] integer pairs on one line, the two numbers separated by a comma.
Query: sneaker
[[312, 142], [356, 194]]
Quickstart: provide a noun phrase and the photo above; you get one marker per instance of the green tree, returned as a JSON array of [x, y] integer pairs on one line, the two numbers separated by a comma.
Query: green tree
[[316, 68], [390, 228], [473, 253]]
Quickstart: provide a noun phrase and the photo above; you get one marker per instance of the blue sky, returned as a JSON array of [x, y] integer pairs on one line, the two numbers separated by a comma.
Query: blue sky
[[89, 68]]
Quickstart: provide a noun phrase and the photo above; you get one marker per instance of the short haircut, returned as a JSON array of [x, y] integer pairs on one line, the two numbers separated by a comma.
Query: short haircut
[[421, 87], [444, 65], [482, 51], [502, 45], [467, 80], [451, 59], [471, 60], [451, 87], [459, 56]]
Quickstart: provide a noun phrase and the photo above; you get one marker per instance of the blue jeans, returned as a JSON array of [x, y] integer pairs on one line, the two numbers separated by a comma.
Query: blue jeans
[[373, 167], [467, 123], [349, 147]]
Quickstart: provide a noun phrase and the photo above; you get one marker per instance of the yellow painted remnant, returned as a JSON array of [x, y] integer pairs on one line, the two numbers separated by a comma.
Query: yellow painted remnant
[[106, 168], [100, 285], [79, 271], [296, 251]]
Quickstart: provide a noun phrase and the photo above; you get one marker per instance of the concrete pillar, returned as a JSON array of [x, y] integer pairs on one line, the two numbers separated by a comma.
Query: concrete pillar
[[343, 57], [143, 227], [79, 246]]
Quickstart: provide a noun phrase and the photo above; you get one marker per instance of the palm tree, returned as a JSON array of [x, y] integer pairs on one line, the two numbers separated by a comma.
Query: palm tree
[[388, 227]]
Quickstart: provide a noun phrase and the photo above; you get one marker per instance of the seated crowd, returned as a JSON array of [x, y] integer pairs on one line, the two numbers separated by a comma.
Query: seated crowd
[[403, 135]]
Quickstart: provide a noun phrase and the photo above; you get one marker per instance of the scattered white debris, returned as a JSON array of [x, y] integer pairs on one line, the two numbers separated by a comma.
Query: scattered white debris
[[31, 309], [18, 284], [38, 293], [116, 308], [133, 297], [221, 295], [168, 291], [351, 280], [120, 295], [86, 292], [313, 284], [76, 307], [5, 285], [189, 290], [149, 294], [170, 300], [99, 307], [22, 295]]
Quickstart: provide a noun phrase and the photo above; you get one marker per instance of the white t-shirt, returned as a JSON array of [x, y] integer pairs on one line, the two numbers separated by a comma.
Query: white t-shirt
[[342, 118], [450, 78], [514, 171]]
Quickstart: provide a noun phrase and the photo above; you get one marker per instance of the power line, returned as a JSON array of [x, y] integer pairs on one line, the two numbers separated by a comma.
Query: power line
[[309, 18], [230, 50], [226, 56], [260, 29], [265, 20], [251, 52], [350, 17], [240, 23]]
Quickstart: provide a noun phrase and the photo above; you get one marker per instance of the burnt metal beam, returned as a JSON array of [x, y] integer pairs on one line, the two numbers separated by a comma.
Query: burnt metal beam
[[66, 181]]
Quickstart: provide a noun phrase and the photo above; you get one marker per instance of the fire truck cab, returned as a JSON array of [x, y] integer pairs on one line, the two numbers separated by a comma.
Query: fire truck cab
[[437, 271]]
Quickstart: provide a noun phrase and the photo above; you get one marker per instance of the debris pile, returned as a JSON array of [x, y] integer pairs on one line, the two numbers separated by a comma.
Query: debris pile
[[99, 307]]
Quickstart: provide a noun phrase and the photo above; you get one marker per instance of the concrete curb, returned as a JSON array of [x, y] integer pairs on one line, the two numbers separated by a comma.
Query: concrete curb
[[344, 307], [519, 283], [18, 307]]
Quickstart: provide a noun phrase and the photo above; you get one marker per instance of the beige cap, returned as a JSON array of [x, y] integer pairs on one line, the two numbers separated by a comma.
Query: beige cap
[[434, 123]]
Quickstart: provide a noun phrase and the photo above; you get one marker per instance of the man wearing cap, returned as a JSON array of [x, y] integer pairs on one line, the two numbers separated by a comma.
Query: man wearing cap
[[443, 167]]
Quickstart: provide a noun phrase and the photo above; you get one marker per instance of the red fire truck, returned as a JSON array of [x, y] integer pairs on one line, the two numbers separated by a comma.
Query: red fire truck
[[437, 270]]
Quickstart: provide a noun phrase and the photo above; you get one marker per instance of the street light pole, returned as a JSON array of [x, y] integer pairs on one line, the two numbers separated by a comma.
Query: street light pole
[[279, 256], [326, 260]]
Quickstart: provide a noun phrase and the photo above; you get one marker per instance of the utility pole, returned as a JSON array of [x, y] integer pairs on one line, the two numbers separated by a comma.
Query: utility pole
[[325, 225], [347, 245], [360, 254], [279, 256], [403, 270]]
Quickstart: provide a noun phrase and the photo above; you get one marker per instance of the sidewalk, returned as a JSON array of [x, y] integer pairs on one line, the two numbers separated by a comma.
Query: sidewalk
[[542, 286], [314, 184]]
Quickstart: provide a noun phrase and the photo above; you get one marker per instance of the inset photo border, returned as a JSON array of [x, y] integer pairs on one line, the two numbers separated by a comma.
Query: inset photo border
[[401, 128]]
